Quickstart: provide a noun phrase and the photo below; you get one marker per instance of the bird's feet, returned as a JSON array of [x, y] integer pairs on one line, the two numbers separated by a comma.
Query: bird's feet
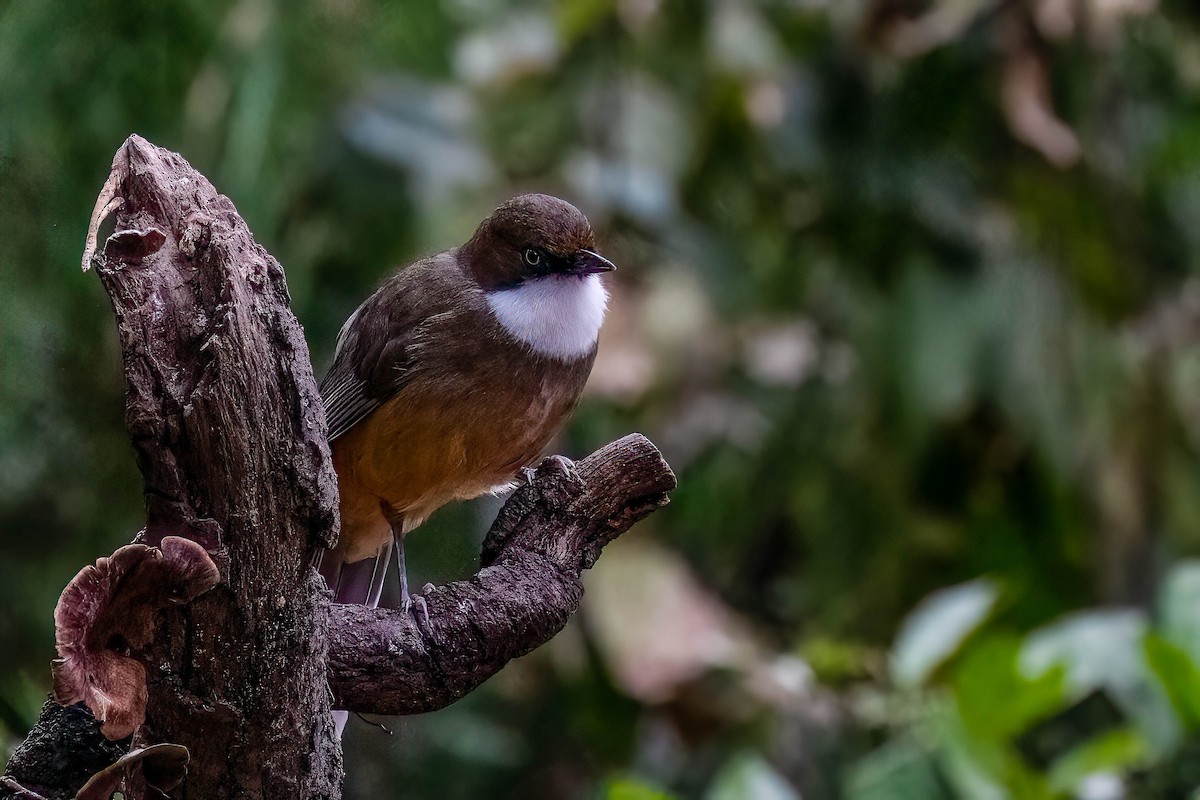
[[416, 605]]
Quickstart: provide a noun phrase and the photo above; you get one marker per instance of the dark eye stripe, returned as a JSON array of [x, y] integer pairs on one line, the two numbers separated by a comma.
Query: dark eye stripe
[[539, 262]]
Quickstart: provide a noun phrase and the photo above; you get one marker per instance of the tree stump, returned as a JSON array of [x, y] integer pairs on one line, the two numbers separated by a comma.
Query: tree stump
[[212, 632]]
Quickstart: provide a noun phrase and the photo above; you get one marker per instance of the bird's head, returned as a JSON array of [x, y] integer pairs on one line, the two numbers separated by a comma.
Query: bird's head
[[535, 259], [533, 237]]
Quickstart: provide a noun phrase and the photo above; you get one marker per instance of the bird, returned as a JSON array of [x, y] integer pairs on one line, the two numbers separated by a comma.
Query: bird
[[450, 379]]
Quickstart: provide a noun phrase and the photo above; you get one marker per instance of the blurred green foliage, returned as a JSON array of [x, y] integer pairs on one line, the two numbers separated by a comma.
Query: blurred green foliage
[[908, 295]]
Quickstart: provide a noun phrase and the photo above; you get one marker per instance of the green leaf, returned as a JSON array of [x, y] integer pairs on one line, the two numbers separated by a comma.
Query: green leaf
[[899, 770], [1103, 649], [1111, 752], [1180, 678], [937, 628], [749, 775], [1049, 739], [1179, 604], [632, 789], [996, 699]]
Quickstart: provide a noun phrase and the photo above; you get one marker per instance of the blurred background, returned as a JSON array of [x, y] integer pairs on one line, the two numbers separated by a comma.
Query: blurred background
[[909, 296]]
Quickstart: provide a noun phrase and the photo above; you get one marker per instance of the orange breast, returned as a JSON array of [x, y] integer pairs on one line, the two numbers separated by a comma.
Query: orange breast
[[445, 439]]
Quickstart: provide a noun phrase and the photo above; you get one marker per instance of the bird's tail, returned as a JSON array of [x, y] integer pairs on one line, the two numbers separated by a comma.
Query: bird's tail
[[360, 582]]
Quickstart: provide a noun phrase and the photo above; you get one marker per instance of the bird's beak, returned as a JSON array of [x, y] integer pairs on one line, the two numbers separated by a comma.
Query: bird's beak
[[588, 263]]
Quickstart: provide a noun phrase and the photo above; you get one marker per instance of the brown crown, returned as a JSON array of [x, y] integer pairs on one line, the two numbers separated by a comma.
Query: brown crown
[[494, 252]]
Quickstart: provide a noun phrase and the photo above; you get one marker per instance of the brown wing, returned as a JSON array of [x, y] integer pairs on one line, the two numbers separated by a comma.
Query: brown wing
[[379, 343]]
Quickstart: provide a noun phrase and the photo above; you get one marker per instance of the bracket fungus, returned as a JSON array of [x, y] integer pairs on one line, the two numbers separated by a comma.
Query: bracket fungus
[[106, 615]]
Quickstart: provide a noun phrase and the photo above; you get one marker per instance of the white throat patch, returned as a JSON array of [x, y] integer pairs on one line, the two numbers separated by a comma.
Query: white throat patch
[[557, 315]]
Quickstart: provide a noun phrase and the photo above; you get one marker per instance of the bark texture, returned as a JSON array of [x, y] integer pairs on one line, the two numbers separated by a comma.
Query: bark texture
[[229, 433], [63, 750], [385, 662], [228, 429]]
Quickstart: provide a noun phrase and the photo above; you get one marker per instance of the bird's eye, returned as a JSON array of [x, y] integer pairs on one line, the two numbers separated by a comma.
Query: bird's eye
[[532, 257]]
